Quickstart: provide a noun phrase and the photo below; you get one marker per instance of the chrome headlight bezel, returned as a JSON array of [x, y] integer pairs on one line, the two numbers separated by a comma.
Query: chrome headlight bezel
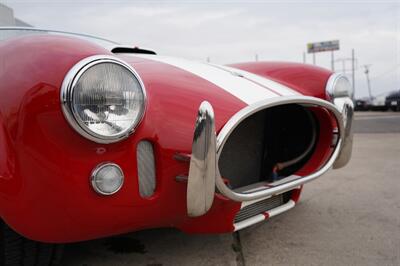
[[94, 178], [66, 95], [331, 87]]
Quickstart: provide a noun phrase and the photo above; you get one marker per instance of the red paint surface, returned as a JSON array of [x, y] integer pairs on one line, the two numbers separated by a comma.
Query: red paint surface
[[296, 194], [45, 165], [306, 79], [47, 196], [323, 149]]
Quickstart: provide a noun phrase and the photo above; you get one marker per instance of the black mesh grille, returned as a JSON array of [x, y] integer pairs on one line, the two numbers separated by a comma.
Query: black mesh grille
[[262, 206]]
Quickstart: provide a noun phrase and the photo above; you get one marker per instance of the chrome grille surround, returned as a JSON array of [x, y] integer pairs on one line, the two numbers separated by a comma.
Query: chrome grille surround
[[259, 106]]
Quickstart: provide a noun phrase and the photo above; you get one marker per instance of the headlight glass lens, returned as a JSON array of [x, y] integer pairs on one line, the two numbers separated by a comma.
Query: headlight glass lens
[[107, 101], [107, 179]]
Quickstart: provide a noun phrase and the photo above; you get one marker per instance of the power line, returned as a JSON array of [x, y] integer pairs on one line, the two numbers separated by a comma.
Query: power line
[[387, 72], [344, 69]]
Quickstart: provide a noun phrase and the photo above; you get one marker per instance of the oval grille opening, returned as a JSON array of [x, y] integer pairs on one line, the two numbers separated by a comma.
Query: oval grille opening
[[281, 137]]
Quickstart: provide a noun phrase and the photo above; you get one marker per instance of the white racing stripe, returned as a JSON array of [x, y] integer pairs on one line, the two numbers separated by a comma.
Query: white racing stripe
[[248, 222], [227, 79], [275, 86], [281, 209]]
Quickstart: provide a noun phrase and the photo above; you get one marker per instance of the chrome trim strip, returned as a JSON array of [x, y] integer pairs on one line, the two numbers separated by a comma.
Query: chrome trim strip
[[202, 170], [66, 92], [347, 146], [346, 107], [97, 169], [249, 110]]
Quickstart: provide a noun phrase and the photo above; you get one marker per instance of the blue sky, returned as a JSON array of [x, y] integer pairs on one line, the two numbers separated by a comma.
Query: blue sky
[[234, 31]]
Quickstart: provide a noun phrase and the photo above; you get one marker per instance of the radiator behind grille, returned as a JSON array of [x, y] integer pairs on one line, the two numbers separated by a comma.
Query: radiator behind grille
[[261, 207]]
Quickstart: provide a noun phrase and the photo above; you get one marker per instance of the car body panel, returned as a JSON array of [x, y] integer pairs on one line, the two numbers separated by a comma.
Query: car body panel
[[305, 79], [46, 165]]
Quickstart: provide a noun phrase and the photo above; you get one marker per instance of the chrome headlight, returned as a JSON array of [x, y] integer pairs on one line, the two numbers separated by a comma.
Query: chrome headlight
[[339, 86], [103, 99]]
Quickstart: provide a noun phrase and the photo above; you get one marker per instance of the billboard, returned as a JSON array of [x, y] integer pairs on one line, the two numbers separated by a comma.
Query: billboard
[[322, 46]]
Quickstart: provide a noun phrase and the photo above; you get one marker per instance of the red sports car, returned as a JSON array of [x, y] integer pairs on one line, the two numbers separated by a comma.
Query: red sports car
[[99, 139]]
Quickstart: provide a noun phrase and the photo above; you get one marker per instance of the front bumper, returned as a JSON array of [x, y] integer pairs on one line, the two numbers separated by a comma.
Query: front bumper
[[204, 174]]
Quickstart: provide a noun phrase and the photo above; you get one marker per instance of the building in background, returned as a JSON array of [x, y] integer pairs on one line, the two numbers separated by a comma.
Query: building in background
[[7, 18]]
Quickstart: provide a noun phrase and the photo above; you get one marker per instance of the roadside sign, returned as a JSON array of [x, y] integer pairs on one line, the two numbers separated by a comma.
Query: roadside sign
[[322, 46]]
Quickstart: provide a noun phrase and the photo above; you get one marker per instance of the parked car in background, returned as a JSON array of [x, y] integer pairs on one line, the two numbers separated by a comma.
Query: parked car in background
[[99, 139], [393, 101], [363, 104], [378, 102]]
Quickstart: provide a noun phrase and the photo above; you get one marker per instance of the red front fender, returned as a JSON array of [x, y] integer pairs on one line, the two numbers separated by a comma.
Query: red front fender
[[7, 161]]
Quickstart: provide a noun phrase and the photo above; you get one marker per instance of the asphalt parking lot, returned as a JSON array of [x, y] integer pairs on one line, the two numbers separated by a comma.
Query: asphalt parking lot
[[350, 216]]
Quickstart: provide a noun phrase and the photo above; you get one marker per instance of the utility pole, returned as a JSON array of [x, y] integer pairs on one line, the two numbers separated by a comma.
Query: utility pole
[[368, 81], [332, 61], [256, 57], [313, 58], [304, 58], [352, 60], [354, 67]]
